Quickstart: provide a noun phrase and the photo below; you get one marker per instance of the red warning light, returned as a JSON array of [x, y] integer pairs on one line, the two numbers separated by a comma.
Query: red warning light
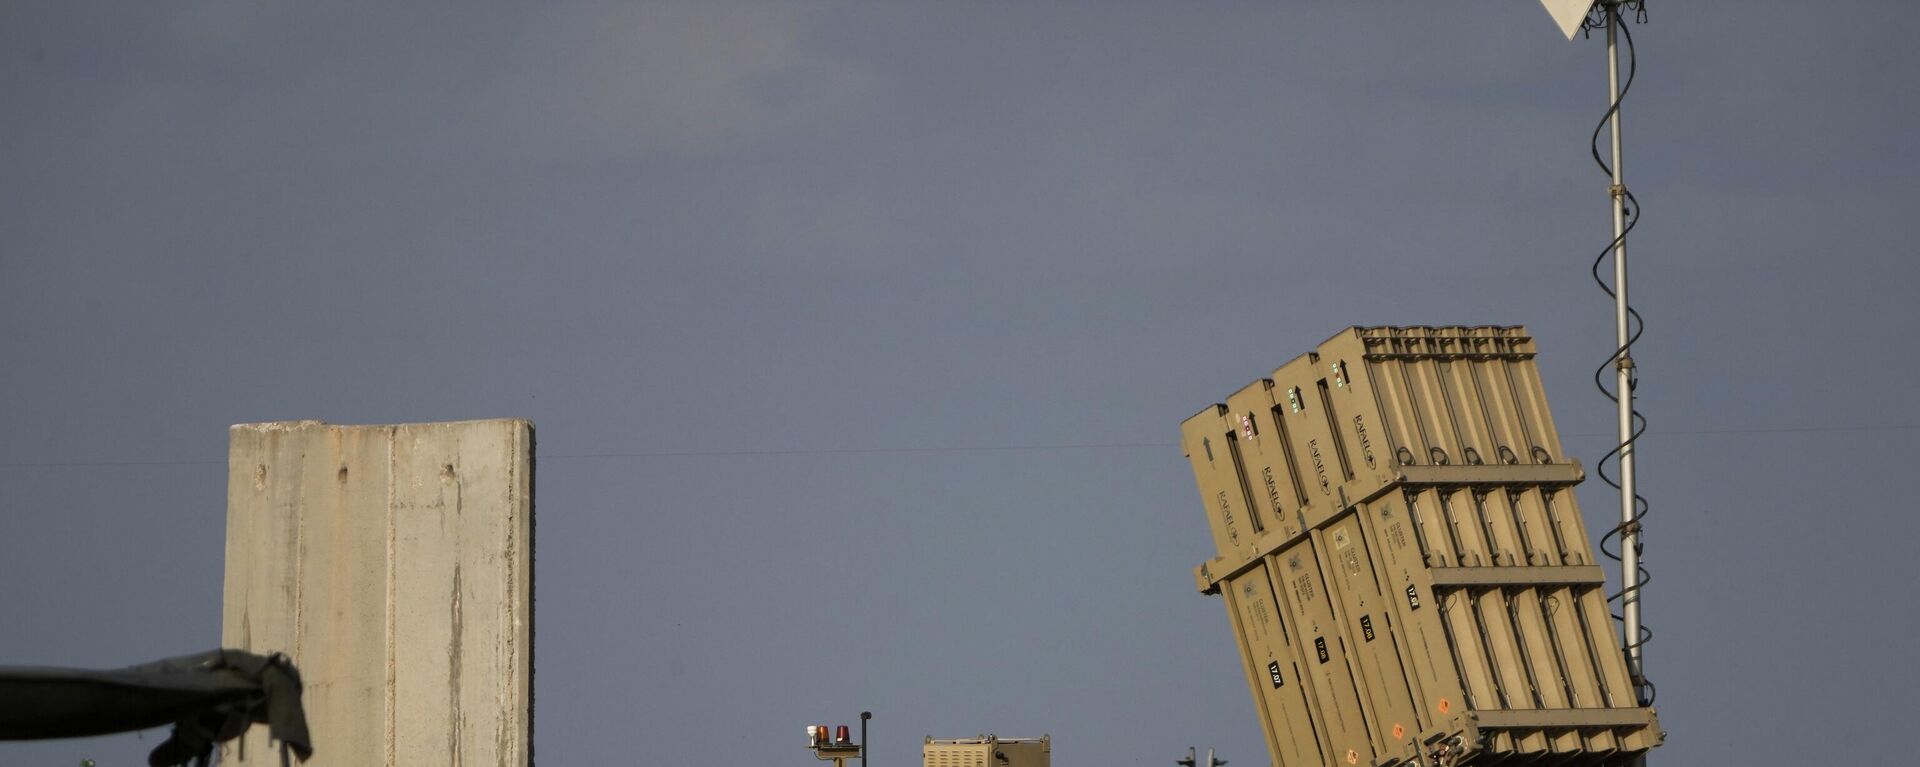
[[840, 735]]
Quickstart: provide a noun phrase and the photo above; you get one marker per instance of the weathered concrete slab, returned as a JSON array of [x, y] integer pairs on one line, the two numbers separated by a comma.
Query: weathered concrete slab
[[394, 564]]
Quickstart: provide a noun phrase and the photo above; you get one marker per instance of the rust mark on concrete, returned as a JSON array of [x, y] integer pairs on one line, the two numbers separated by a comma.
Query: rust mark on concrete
[[456, 720], [297, 510], [393, 657]]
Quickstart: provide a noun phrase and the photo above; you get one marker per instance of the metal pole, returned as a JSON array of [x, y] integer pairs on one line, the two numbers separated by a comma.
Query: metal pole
[[864, 716], [1623, 367]]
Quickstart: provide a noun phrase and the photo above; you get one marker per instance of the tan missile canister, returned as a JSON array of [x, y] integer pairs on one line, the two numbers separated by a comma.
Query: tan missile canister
[[1403, 560]]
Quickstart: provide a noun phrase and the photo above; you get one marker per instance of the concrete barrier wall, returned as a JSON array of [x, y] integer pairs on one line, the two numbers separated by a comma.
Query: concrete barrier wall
[[394, 564]]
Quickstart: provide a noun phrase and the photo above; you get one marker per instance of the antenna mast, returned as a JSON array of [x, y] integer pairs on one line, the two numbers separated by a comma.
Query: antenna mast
[[1573, 17], [1623, 363]]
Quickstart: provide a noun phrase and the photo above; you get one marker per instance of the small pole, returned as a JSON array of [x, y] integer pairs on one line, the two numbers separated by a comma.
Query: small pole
[[864, 716]]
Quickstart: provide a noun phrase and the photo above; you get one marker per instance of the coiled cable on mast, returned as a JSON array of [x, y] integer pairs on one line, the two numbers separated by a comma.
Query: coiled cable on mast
[[1599, 17]]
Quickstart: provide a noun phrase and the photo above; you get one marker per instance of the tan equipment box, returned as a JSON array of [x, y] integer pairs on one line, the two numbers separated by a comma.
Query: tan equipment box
[[1403, 562], [988, 751]]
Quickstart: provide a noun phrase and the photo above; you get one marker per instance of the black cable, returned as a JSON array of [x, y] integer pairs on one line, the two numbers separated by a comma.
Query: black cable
[[1630, 207]]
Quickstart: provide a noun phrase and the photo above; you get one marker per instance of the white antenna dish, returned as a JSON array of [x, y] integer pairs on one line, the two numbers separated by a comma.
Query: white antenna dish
[[1569, 14]]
